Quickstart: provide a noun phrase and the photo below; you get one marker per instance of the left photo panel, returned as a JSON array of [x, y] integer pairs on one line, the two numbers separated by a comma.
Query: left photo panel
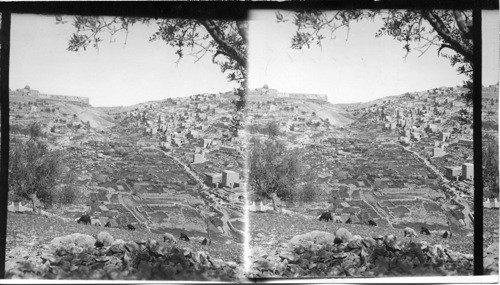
[[126, 157]]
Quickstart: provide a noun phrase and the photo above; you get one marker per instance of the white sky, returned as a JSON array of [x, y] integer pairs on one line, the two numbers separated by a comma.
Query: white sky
[[363, 68], [115, 75], [491, 44]]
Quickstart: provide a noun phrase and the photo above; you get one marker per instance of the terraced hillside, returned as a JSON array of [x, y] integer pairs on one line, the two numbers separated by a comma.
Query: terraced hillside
[[381, 167], [135, 166]]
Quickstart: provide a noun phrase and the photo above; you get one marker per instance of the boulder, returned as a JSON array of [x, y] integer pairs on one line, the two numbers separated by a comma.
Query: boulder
[[18, 252], [343, 234], [169, 238], [105, 238], [119, 241], [369, 242], [354, 244], [356, 237], [319, 237], [76, 239]]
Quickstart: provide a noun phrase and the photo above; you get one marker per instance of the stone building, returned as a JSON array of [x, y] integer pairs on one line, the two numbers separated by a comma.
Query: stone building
[[198, 158], [438, 152], [453, 172], [212, 179], [468, 171], [230, 178]]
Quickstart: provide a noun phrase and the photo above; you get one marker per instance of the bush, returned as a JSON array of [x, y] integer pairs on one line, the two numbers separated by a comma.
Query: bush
[[68, 195], [308, 192]]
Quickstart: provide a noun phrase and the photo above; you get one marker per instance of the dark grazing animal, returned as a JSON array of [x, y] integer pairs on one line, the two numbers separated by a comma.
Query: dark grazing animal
[[372, 223], [337, 240], [85, 219], [130, 227], [447, 234], [206, 241], [184, 237], [349, 221], [108, 225], [326, 216], [425, 231]]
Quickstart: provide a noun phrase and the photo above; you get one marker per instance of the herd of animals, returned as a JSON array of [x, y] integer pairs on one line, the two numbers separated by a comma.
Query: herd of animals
[[167, 237], [327, 216]]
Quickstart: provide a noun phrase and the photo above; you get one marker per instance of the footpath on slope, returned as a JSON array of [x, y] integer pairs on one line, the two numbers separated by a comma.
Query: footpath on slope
[[466, 211], [228, 228]]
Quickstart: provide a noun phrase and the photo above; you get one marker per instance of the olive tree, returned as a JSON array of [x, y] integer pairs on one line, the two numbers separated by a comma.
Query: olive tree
[[34, 169], [276, 172]]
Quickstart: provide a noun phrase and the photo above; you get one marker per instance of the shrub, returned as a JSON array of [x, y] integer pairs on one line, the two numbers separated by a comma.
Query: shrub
[[68, 195], [309, 192]]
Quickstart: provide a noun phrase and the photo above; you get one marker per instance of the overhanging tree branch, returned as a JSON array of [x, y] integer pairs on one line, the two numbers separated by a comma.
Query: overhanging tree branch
[[218, 36], [440, 28]]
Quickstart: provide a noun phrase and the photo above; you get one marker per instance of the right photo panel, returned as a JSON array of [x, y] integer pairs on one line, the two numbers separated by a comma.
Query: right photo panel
[[489, 109], [360, 144]]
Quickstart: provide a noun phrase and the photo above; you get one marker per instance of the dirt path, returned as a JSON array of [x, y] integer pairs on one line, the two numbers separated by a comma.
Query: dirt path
[[370, 200], [141, 220], [225, 217], [466, 211], [187, 169], [426, 162]]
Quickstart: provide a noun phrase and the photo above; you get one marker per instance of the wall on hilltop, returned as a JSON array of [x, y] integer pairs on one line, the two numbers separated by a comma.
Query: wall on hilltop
[[304, 96], [21, 95], [77, 99], [266, 94]]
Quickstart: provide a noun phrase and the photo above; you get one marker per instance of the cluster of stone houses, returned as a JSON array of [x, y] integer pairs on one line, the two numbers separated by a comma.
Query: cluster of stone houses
[[466, 172]]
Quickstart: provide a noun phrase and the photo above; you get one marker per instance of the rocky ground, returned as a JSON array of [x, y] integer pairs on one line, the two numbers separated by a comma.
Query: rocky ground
[[490, 241], [275, 254], [32, 251]]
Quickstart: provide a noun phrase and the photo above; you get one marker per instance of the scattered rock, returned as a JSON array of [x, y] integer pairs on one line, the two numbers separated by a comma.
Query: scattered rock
[[343, 234], [369, 242], [105, 238], [18, 252], [319, 237], [76, 239], [356, 237]]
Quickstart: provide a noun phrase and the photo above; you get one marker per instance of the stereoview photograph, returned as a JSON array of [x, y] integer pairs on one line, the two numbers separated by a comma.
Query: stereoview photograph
[[125, 160], [361, 143], [342, 146]]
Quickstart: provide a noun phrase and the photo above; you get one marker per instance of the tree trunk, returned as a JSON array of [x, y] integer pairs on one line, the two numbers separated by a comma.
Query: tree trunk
[[36, 203], [275, 199]]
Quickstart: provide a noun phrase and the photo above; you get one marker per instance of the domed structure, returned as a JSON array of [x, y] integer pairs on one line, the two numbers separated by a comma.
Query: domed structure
[[27, 87], [265, 86]]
